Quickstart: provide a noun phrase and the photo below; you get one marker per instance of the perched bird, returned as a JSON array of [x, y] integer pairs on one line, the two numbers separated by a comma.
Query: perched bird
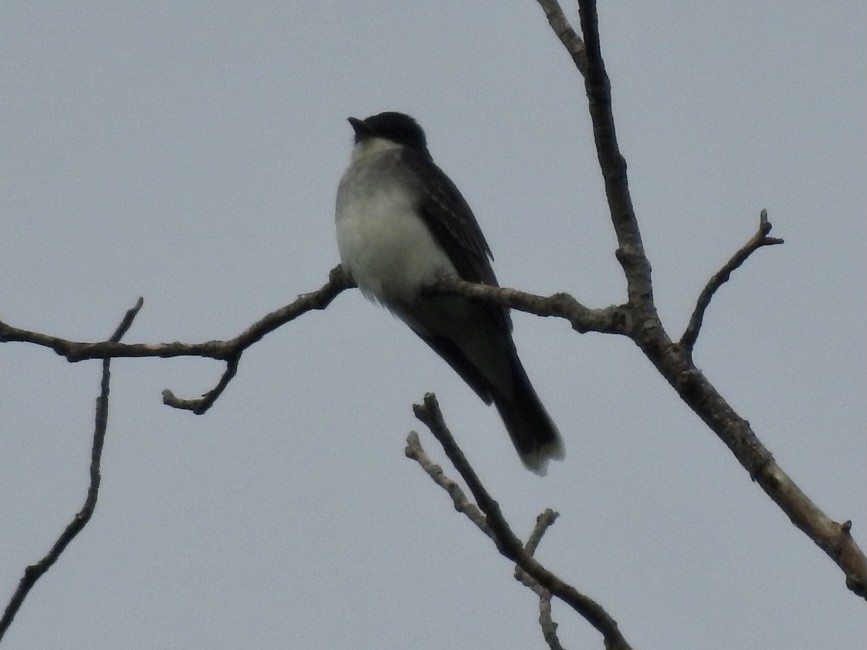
[[401, 225]]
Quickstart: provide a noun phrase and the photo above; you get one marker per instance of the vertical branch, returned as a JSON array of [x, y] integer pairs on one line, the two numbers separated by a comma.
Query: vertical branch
[[35, 571], [630, 251]]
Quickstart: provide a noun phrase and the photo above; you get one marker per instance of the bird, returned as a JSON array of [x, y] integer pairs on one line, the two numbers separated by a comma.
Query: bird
[[402, 224]]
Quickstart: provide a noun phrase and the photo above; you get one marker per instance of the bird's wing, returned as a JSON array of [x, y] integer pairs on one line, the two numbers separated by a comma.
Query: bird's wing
[[451, 220], [452, 223]]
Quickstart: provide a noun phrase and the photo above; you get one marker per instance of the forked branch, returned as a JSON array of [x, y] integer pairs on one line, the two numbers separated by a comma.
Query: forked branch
[[229, 351], [496, 527]]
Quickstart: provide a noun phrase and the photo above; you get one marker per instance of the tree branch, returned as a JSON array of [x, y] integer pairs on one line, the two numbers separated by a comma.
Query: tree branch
[[506, 541], [546, 621], [570, 40], [76, 351], [463, 505], [757, 241], [615, 319], [630, 252], [674, 361], [229, 351], [35, 571]]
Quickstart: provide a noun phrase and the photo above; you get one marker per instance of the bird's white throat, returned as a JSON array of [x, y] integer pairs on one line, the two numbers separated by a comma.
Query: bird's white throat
[[370, 146]]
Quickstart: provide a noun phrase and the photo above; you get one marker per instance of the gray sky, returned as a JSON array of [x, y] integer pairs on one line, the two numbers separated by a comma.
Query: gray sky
[[189, 153]]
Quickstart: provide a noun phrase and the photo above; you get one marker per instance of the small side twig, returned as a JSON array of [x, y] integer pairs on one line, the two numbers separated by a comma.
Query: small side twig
[[507, 543], [543, 522], [546, 620], [206, 401], [35, 571], [462, 504], [564, 31], [757, 241], [338, 280]]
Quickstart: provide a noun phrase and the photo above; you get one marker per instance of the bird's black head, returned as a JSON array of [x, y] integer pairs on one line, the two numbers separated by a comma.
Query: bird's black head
[[397, 127]]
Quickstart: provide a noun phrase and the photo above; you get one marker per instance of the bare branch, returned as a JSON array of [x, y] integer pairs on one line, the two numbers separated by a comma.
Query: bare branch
[[615, 319], [675, 364], [206, 401], [543, 523], [506, 541], [546, 620], [674, 361], [462, 504], [630, 252], [570, 40], [429, 413], [229, 351], [757, 241], [35, 571], [75, 351]]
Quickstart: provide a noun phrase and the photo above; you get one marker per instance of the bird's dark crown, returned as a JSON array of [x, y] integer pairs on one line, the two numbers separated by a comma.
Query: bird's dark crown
[[397, 127]]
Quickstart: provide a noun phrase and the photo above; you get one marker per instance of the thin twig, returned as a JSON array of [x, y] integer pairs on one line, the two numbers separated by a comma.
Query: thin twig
[[546, 619], [75, 351], [430, 414], [35, 571], [462, 504], [570, 40], [507, 543], [719, 278], [543, 522], [206, 401]]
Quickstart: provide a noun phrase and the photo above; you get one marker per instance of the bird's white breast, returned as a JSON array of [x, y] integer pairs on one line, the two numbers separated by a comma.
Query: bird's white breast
[[382, 240]]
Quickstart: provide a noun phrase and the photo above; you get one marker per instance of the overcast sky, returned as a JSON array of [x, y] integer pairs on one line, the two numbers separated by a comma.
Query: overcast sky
[[189, 153]]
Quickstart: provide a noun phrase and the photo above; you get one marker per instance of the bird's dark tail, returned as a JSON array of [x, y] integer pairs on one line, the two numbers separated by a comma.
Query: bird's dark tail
[[533, 433]]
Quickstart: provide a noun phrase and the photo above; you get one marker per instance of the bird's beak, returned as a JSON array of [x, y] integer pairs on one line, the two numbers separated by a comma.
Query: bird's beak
[[359, 127]]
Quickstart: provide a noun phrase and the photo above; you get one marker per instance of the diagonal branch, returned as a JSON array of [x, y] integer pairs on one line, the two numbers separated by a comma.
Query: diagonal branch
[[462, 504], [760, 239], [674, 361], [697, 392], [564, 31], [35, 571], [506, 541]]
